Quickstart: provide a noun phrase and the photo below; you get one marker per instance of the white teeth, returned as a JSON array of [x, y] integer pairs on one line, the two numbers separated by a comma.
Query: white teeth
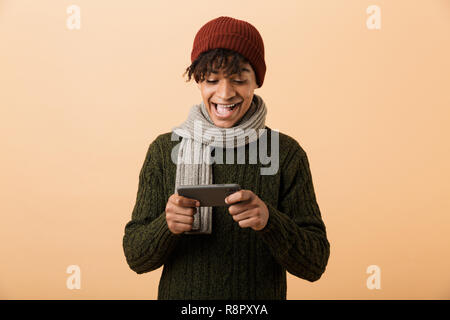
[[226, 105], [225, 109]]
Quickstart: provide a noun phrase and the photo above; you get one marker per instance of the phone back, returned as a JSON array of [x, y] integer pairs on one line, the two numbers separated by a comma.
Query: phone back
[[209, 195]]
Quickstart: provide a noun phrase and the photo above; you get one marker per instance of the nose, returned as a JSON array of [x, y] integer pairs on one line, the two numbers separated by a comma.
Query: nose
[[225, 90]]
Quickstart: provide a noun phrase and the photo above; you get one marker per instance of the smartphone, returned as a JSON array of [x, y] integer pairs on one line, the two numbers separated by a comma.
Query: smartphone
[[209, 195]]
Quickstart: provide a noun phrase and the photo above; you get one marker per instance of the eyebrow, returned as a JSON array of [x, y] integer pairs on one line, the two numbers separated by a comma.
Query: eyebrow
[[242, 70]]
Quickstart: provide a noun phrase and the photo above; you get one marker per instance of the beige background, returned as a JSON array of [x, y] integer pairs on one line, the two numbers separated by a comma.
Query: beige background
[[80, 107]]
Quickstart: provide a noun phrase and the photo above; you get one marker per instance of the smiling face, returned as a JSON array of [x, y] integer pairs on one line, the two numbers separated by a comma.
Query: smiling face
[[228, 97]]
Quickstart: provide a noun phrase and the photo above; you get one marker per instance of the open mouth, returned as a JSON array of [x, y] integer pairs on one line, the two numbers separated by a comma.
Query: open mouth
[[224, 111]]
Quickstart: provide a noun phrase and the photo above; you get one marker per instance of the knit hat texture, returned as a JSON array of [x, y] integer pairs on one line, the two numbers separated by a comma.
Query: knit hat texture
[[232, 34]]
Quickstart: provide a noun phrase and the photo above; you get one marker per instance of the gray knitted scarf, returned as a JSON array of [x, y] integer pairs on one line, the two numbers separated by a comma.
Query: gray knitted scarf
[[199, 137]]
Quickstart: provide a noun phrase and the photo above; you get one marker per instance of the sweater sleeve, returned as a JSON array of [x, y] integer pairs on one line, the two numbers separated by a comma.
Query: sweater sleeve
[[295, 232], [147, 241]]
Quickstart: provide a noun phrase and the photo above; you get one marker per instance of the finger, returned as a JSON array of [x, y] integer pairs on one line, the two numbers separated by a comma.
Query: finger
[[186, 211], [174, 209], [173, 217], [180, 227], [184, 219], [181, 201], [248, 223], [238, 196], [245, 215], [240, 207]]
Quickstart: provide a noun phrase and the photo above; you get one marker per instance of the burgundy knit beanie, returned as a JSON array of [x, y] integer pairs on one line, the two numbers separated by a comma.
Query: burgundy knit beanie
[[236, 35]]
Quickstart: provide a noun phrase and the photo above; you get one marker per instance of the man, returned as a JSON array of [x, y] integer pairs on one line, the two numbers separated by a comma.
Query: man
[[271, 226]]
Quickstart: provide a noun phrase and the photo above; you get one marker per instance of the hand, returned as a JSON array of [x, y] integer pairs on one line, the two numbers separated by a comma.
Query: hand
[[248, 209], [180, 213]]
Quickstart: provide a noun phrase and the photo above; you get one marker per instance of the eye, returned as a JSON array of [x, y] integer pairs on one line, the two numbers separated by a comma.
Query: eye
[[239, 81], [211, 81]]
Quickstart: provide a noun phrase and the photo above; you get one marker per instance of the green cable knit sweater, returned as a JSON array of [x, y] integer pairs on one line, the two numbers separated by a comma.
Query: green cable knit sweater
[[231, 263]]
